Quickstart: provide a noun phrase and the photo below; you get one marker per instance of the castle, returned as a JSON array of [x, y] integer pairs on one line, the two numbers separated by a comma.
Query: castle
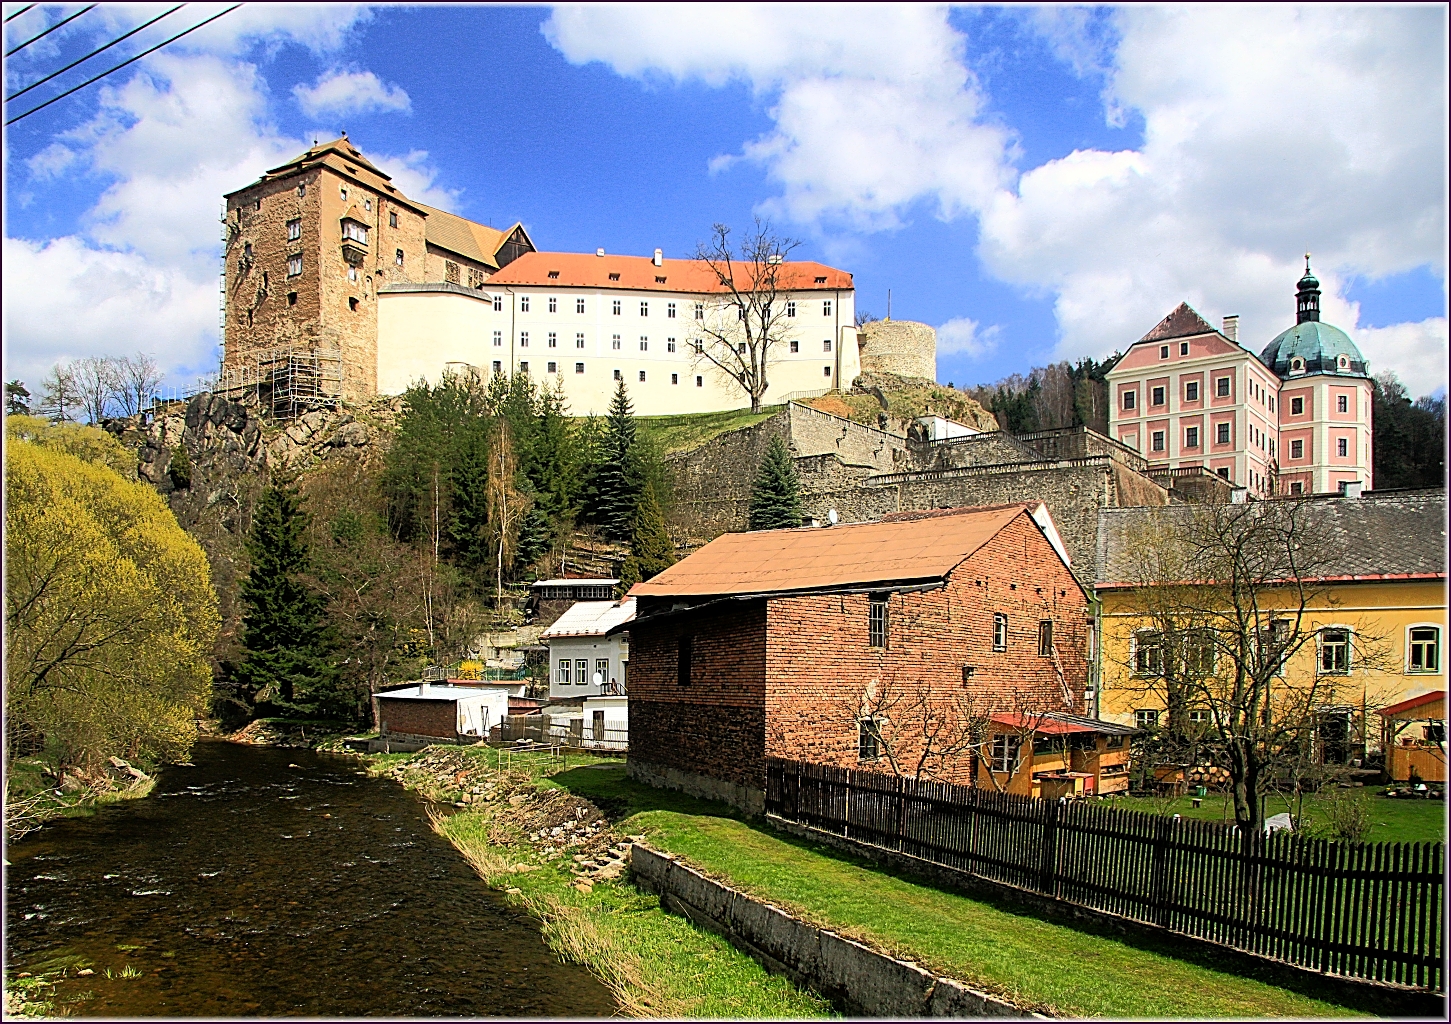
[[337, 285]]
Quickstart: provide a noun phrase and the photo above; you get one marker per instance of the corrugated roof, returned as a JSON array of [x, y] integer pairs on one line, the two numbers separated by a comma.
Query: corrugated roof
[[432, 691], [477, 242], [591, 618], [923, 548], [639, 273], [1184, 322], [1396, 536]]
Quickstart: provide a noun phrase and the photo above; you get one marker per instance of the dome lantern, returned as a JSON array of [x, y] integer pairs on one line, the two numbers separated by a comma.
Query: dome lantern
[[1307, 305]]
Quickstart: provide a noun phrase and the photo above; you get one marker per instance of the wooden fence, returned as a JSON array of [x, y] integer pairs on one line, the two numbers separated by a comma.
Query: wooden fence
[[1362, 910], [555, 730]]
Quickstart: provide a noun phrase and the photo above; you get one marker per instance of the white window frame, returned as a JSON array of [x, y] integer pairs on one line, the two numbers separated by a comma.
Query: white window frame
[[581, 671], [1297, 405], [1130, 399], [616, 308], [523, 303], [1297, 448], [294, 229], [562, 672], [826, 307], [1322, 648], [1156, 441], [1000, 631], [1191, 391], [1342, 403], [553, 304], [791, 308], [498, 339], [579, 367], [1156, 395], [1147, 718], [1191, 437], [579, 339], [644, 308], [294, 266], [553, 340], [1005, 753], [669, 311], [1342, 447], [579, 305]]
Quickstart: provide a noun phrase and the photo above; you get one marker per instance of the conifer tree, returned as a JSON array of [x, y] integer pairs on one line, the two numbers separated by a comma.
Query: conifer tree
[[285, 638], [651, 549], [616, 479], [776, 494]]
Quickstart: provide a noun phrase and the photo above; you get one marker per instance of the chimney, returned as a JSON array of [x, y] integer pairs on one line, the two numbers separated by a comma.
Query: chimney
[[599, 252], [1231, 328], [1352, 488], [659, 258]]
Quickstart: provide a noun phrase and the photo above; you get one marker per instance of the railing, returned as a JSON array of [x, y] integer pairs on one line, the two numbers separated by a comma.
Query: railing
[[1361, 910], [551, 730]]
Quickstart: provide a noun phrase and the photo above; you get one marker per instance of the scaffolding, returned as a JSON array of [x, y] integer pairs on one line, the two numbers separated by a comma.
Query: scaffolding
[[287, 381]]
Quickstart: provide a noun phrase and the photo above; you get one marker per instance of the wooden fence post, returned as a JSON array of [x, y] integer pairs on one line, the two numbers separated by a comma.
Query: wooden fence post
[[901, 813], [1159, 884], [1048, 869]]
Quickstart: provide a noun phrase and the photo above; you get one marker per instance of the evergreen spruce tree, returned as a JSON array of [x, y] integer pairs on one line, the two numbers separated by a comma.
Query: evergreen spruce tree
[[776, 494], [616, 479], [285, 638], [651, 549]]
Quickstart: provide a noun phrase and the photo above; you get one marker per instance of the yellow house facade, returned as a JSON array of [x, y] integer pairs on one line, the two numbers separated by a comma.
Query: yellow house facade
[[1373, 627]]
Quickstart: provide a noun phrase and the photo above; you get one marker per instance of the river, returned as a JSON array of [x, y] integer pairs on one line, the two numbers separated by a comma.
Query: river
[[262, 882]]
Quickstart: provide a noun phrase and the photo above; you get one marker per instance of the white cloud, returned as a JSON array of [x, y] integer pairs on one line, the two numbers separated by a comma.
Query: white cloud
[[350, 92], [965, 336], [1417, 352], [50, 161], [417, 178]]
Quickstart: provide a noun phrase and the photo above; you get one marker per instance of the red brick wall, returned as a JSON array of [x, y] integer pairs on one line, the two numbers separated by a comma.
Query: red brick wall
[[819, 665], [420, 717], [715, 726]]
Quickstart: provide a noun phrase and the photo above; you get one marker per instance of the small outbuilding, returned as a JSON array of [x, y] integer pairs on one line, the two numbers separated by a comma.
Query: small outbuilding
[[1414, 738], [432, 712]]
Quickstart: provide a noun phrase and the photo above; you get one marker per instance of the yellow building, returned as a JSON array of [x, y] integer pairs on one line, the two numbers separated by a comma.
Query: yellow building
[[1372, 631]]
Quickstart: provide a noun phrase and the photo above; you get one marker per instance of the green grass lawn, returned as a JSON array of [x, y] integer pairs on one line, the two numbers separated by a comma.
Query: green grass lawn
[[1394, 820], [682, 433], [1030, 960]]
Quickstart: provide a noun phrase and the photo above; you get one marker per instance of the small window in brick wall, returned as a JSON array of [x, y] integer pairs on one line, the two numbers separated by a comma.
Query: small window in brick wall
[[877, 620], [869, 740], [682, 660], [1045, 638], [1000, 631]]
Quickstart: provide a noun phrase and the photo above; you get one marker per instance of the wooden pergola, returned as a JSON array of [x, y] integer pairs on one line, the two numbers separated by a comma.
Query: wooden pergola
[[1425, 755]]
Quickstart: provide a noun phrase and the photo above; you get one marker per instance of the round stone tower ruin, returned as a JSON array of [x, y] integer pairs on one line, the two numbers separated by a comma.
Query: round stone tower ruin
[[901, 347]]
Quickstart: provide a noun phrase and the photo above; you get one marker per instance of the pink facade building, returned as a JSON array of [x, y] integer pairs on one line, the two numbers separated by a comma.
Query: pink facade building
[[1296, 419]]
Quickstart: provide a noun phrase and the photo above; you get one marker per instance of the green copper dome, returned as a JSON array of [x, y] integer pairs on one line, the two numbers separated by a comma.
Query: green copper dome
[[1313, 347]]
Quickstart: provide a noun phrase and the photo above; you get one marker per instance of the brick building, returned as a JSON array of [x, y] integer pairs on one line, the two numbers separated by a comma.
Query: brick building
[[791, 643]]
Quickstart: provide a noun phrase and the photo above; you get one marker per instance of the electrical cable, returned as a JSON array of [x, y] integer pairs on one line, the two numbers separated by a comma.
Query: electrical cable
[[11, 17], [113, 42], [48, 31], [118, 67]]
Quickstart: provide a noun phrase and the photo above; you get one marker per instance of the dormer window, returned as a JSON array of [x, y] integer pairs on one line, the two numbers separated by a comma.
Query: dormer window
[[659, 280], [1344, 362], [554, 275], [1297, 365], [821, 280], [355, 232], [614, 277]]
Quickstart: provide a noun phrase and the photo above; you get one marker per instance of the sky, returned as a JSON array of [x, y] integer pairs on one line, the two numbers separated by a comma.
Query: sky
[[1038, 183]]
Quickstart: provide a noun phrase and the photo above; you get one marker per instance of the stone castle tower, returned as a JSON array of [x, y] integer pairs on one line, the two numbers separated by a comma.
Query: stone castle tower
[[902, 347]]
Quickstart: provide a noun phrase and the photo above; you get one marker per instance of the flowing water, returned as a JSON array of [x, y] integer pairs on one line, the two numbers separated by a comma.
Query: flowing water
[[276, 882]]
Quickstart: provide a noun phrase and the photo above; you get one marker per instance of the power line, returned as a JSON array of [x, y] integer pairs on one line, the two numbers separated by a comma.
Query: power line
[[118, 67], [11, 17], [48, 31], [103, 49]]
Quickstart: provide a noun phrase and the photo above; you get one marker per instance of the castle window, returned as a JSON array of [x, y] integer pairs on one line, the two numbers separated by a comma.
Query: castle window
[[292, 298], [1221, 387], [1163, 351], [301, 191], [1157, 444], [1297, 488], [1342, 447], [523, 303], [498, 303], [247, 254], [821, 280], [392, 219], [1297, 449], [294, 266], [642, 376], [1297, 407], [352, 274], [450, 271], [644, 309], [368, 205], [524, 367], [343, 192], [659, 280], [579, 367], [1342, 403], [644, 344], [675, 378], [1130, 399], [700, 382], [553, 367], [294, 230], [868, 740], [670, 311], [826, 371], [498, 339], [553, 304], [353, 304], [619, 375], [498, 367], [877, 620], [700, 311], [1191, 437], [1045, 638], [1222, 433], [1296, 365], [741, 348], [791, 308], [669, 344], [826, 345], [1191, 391], [796, 346], [1000, 631], [398, 258], [615, 342], [614, 277], [615, 307], [553, 340], [523, 339], [1183, 348], [579, 305], [1158, 397], [579, 341], [826, 307]]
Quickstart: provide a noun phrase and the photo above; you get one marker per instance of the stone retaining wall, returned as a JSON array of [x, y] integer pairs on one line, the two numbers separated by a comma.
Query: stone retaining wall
[[858, 980]]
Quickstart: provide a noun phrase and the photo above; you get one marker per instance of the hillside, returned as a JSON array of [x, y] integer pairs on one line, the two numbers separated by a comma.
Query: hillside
[[900, 400]]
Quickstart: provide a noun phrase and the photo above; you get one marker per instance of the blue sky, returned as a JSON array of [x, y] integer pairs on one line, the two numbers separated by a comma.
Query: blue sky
[[1038, 184]]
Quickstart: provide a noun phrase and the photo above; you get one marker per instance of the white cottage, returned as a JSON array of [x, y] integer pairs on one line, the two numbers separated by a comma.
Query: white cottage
[[584, 661]]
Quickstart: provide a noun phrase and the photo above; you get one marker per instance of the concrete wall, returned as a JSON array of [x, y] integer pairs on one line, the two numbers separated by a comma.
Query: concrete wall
[[902, 347], [856, 979]]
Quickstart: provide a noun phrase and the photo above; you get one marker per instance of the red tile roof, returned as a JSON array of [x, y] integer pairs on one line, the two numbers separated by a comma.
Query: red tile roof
[[639, 273], [920, 549]]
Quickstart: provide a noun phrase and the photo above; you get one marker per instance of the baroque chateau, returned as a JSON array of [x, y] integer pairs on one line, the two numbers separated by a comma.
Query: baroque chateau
[[337, 285]]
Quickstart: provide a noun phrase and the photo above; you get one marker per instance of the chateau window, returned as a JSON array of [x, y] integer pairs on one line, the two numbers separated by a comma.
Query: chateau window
[[791, 308], [868, 740], [826, 307], [523, 303], [741, 348], [301, 191], [355, 232], [1146, 718], [1163, 351], [1297, 488], [1342, 403], [1297, 407], [524, 367], [1157, 444], [615, 342], [1158, 397], [498, 339], [294, 266], [398, 257], [552, 367], [1221, 433], [450, 271], [1297, 449], [1000, 631], [700, 311], [579, 367], [1221, 387], [553, 304], [1272, 403], [826, 371], [877, 620], [644, 309], [353, 274], [1045, 638], [553, 340], [294, 232], [670, 311], [579, 341], [1191, 391], [292, 298], [700, 382], [368, 205], [1183, 348], [699, 346], [579, 305], [498, 368], [796, 346], [669, 344], [1334, 651], [1130, 399], [1005, 753], [644, 344], [1425, 649], [615, 307], [1342, 447], [619, 375], [523, 339], [642, 376], [826, 345], [675, 378], [392, 219], [1191, 437]]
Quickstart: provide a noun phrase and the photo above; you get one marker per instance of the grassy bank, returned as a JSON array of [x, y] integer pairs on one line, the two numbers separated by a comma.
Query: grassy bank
[[32, 796], [672, 434], [612, 928], [656, 964]]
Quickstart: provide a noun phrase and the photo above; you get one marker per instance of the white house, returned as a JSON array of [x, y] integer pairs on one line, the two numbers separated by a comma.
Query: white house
[[584, 661]]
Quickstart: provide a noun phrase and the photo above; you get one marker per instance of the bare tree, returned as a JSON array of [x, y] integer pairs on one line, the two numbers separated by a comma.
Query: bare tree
[[738, 327], [98, 383], [139, 380], [61, 394], [1225, 600]]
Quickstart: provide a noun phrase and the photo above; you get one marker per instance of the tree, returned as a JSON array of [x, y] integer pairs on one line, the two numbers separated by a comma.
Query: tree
[[61, 395], [139, 379], [745, 321], [1409, 439], [1224, 600], [17, 398], [285, 639], [110, 614], [616, 479], [651, 549], [776, 494], [97, 382]]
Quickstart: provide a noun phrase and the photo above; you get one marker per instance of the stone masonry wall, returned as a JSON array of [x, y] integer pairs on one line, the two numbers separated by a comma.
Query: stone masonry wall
[[902, 347]]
